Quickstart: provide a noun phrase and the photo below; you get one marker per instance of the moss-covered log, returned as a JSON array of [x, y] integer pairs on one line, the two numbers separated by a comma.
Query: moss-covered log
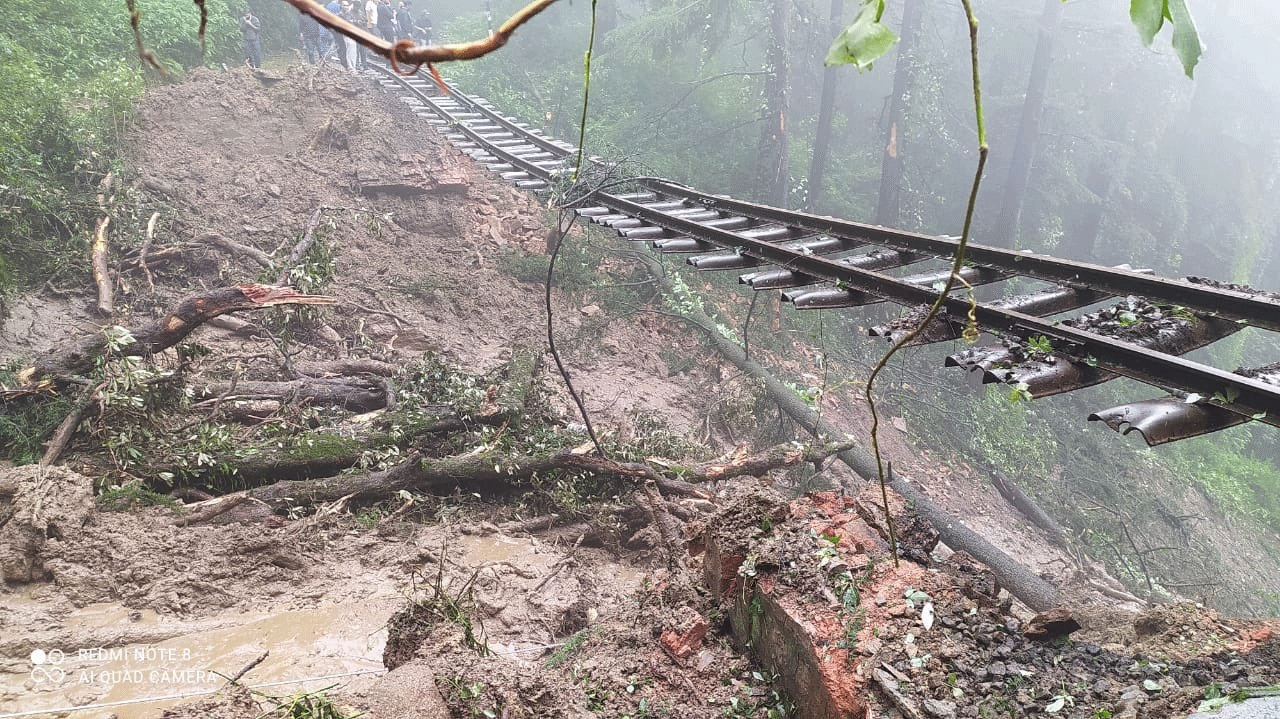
[[433, 475], [353, 395]]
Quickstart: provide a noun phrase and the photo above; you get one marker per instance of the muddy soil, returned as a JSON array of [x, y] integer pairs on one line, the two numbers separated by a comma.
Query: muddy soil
[[104, 608]]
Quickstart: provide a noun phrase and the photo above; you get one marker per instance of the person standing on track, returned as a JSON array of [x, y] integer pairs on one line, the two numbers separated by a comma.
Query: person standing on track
[[336, 38], [309, 34], [387, 21], [353, 54], [251, 37], [404, 21], [422, 30]]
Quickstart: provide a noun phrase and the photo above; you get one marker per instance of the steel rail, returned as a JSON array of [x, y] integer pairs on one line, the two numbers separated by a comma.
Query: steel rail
[[516, 160], [1254, 310], [1253, 398], [666, 206]]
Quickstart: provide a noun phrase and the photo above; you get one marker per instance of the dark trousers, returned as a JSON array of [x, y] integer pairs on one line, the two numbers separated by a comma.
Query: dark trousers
[[312, 46], [340, 48], [253, 53]]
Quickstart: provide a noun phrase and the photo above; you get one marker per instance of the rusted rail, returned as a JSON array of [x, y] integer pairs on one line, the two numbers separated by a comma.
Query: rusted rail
[[823, 262]]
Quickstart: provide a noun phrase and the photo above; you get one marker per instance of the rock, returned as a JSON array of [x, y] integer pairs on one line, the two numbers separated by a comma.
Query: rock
[[940, 709], [681, 642], [1051, 624], [408, 692]]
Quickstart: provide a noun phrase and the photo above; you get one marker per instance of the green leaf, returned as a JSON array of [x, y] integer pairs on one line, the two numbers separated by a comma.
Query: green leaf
[[1214, 704], [1147, 16], [1056, 705], [865, 40], [1186, 41]]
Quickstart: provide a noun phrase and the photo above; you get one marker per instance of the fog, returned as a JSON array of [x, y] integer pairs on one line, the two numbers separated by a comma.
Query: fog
[[1131, 160]]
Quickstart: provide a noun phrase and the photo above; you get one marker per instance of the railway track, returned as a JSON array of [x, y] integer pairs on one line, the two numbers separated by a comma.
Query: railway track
[[1140, 325]]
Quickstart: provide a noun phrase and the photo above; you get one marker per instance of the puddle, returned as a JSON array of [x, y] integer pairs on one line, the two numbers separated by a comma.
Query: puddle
[[134, 681], [107, 660]]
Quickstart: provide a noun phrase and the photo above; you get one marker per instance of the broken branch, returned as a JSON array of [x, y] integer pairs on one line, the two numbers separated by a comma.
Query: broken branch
[[301, 249], [169, 330], [101, 274], [405, 52], [237, 248]]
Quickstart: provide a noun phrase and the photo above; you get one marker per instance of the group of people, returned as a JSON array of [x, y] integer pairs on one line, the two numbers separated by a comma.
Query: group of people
[[319, 43]]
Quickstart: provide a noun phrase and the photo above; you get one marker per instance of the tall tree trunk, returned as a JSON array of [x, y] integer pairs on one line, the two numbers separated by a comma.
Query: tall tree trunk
[[1024, 150], [826, 110], [889, 203], [773, 168], [1084, 225]]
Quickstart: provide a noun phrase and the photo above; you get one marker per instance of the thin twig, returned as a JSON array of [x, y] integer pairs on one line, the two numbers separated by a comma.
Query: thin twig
[[956, 264], [248, 667], [551, 335], [146, 242], [586, 91]]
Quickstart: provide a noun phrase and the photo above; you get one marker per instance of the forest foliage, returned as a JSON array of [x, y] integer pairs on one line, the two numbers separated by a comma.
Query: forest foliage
[[68, 78]]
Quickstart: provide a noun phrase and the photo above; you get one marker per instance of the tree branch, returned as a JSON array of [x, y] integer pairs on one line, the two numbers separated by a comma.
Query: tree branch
[[166, 332], [405, 52]]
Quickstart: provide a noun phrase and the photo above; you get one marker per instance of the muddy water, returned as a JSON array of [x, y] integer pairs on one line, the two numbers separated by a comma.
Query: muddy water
[[136, 680], [108, 660]]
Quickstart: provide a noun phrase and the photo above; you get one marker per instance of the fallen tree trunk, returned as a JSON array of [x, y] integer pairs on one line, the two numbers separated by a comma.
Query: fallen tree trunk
[[346, 367], [479, 471], [423, 474], [352, 395], [1021, 582], [778, 456], [1014, 495], [98, 253], [235, 248], [166, 332]]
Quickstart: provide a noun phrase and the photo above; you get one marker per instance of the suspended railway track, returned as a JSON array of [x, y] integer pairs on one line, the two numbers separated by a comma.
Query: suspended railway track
[[1144, 326]]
